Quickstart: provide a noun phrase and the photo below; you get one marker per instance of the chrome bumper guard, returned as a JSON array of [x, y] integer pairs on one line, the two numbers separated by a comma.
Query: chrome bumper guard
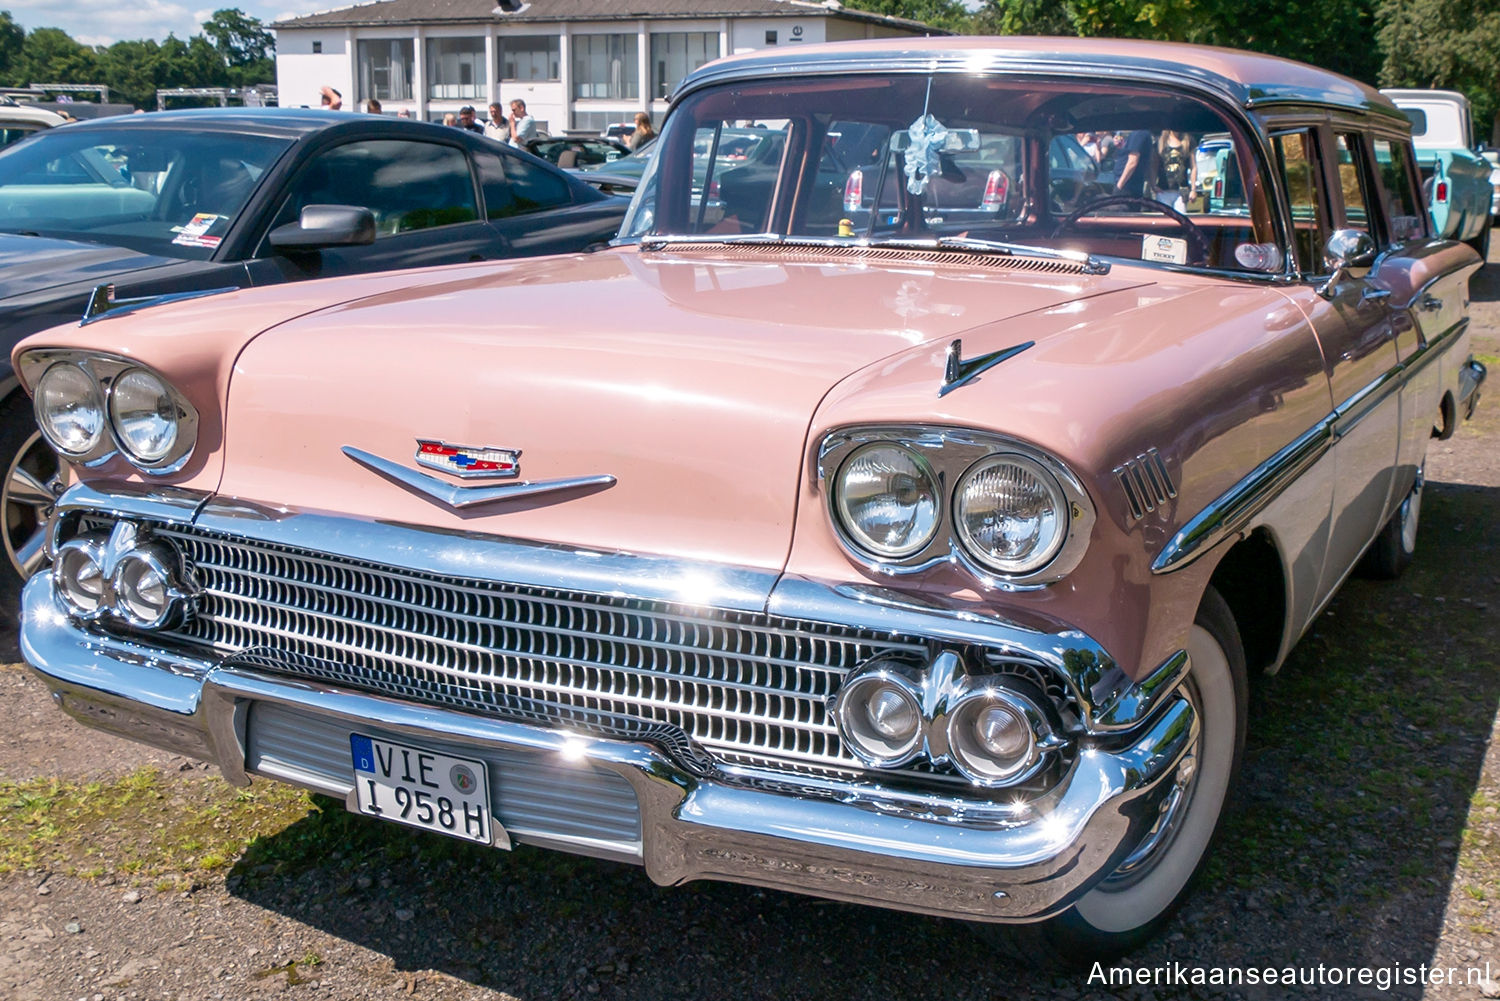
[[687, 825]]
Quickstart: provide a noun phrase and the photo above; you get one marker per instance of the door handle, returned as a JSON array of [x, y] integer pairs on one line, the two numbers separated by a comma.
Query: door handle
[[1373, 294], [1430, 303]]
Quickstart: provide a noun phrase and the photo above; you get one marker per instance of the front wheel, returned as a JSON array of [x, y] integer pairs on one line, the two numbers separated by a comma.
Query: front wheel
[[34, 479], [1131, 904]]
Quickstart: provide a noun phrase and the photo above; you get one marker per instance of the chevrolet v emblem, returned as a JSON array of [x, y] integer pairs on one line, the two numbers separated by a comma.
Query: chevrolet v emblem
[[458, 498]]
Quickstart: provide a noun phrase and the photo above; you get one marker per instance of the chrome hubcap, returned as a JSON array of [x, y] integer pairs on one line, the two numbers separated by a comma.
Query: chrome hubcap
[[33, 483]]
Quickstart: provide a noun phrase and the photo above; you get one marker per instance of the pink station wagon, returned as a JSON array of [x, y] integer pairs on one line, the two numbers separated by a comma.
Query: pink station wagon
[[871, 521]]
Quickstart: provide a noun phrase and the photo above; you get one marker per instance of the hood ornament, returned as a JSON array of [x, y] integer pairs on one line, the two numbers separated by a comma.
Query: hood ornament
[[958, 370]]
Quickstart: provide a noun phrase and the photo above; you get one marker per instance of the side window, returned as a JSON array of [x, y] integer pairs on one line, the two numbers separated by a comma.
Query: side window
[[532, 188], [1297, 159], [1354, 184], [407, 185], [1404, 208]]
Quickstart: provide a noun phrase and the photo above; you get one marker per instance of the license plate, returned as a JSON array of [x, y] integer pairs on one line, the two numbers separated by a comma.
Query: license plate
[[421, 788]]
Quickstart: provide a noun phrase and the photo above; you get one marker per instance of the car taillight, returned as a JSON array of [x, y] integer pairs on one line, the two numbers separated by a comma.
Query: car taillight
[[1442, 192], [996, 191], [1218, 187], [854, 191], [713, 189]]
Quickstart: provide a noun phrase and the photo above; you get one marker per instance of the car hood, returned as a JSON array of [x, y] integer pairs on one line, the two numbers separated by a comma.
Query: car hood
[[689, 378], [32, 263]]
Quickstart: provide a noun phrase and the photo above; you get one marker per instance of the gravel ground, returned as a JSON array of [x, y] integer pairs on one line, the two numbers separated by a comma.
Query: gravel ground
[[1365, 833]]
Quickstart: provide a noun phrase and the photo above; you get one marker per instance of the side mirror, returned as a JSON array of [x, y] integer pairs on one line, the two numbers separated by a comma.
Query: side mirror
[[1349, 252], [323, 226]]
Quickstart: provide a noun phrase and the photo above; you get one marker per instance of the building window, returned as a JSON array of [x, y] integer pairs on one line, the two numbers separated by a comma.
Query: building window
[[529, 57], [455, 68], [771, 37], [385, 68], [675, 54], [317, 48], [606, 67]]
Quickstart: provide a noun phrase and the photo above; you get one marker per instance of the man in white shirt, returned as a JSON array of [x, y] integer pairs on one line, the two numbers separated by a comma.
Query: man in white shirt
[[522, 125], [497, 128]]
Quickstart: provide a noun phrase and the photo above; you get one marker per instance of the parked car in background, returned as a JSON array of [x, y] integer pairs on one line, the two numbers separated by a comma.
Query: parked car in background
[[193, 201], [846, 539], [1455, 177], [569, 152], [18, 121], [1493, 157], [619, 131]]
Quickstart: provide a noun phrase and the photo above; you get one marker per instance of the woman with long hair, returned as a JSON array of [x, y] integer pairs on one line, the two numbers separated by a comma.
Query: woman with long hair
[[643, 133]]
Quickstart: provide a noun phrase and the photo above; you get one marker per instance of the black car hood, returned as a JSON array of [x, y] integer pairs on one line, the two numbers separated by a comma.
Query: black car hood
[[35, 263]]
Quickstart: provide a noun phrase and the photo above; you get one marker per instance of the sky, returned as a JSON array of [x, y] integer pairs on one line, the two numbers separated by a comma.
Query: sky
[[95, 23]]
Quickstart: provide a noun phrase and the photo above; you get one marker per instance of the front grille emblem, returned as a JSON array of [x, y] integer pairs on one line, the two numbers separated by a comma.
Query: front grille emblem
[[469, 461]]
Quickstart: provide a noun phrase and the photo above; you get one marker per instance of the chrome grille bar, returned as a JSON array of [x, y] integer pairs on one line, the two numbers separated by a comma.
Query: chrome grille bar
[[750, 688]]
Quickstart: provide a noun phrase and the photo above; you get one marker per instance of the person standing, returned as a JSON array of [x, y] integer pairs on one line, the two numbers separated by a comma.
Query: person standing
[[331, 99], [1174, 177], [522, 125], [372, 107], [466, 120], [1138, 158], [643, 133], [497, 128]]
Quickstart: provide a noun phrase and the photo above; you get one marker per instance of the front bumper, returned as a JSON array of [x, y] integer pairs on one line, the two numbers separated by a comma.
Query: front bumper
[[682, 825]]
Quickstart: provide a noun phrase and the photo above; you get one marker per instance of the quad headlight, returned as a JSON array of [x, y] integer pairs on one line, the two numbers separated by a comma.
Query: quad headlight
[[887, 500], [1010, 514], [907, 499], [91, 406], [70, 409], [144, 415]]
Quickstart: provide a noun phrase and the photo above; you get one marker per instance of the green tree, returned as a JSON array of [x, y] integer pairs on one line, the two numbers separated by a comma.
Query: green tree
[[50, 55], [12, 37], [130, 69], [242, 40], [949, 15], [1451, 44]]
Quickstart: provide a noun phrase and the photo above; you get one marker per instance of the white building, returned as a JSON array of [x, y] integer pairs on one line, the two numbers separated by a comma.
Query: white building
[[578, 64]]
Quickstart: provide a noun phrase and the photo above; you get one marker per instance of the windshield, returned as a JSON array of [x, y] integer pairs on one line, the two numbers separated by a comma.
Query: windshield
[[162, 192], [1110, 171]]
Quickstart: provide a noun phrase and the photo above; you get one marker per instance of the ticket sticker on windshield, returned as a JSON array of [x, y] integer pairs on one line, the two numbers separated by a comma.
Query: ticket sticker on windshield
[[195, 233], [1164, 249]]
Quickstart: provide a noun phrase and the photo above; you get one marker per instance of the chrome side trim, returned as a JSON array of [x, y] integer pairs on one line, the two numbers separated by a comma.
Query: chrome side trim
[[957, 371], [458, 498], [102, 301], [1234, 509]]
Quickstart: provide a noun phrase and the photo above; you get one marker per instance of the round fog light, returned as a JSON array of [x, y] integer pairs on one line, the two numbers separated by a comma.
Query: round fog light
[[79, 576], [143, 587], [991, 738], [880, 719]]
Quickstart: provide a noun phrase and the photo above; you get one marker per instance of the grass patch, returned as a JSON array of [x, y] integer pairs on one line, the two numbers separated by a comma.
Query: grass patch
[[145, 825]]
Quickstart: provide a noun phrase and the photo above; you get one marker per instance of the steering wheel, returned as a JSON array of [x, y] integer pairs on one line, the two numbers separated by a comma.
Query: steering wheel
[[1195, 237]]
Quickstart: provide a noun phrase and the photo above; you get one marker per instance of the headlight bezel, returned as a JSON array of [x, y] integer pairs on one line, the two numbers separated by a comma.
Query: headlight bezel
[[951, 453], [105, 370], [843, 517], [98, 402]]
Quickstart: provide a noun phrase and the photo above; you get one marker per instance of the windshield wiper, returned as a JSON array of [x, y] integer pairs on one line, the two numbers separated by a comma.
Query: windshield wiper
[[1089, 263]]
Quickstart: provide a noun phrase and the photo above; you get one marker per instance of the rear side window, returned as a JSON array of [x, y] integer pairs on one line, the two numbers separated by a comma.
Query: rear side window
[[408, 186], [513, 186], [1352, 182], [1398, 178]]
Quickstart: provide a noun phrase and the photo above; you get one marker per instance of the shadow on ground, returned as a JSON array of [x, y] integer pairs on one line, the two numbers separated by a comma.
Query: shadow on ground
[[1364, 754]]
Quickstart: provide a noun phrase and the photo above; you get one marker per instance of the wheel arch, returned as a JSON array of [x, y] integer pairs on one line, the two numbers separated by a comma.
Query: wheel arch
[[1252, 579]]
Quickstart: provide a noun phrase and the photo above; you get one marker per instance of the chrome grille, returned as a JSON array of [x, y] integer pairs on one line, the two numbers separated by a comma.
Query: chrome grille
[[1146, 482], [749, 688]]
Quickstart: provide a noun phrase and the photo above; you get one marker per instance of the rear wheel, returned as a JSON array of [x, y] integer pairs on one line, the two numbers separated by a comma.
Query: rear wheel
[[1132, 903], [1393, 549]]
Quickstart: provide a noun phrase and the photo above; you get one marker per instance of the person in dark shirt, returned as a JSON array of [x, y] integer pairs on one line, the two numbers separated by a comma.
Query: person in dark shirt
[[1138, 164], [466, 120]]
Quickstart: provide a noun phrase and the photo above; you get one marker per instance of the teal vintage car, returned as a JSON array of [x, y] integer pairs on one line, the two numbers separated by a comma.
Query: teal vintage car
[[1455, 177]]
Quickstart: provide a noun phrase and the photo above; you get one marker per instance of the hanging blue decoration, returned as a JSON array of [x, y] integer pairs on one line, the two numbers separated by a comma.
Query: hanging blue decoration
[[928, 137]]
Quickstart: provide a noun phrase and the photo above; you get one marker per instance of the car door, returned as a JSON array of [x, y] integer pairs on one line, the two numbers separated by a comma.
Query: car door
[[422, 194], [533, 209], [1357, 332]]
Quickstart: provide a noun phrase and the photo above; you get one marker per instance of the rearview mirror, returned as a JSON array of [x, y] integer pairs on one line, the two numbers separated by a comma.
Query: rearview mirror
[[1349, 252], [323, 226]]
